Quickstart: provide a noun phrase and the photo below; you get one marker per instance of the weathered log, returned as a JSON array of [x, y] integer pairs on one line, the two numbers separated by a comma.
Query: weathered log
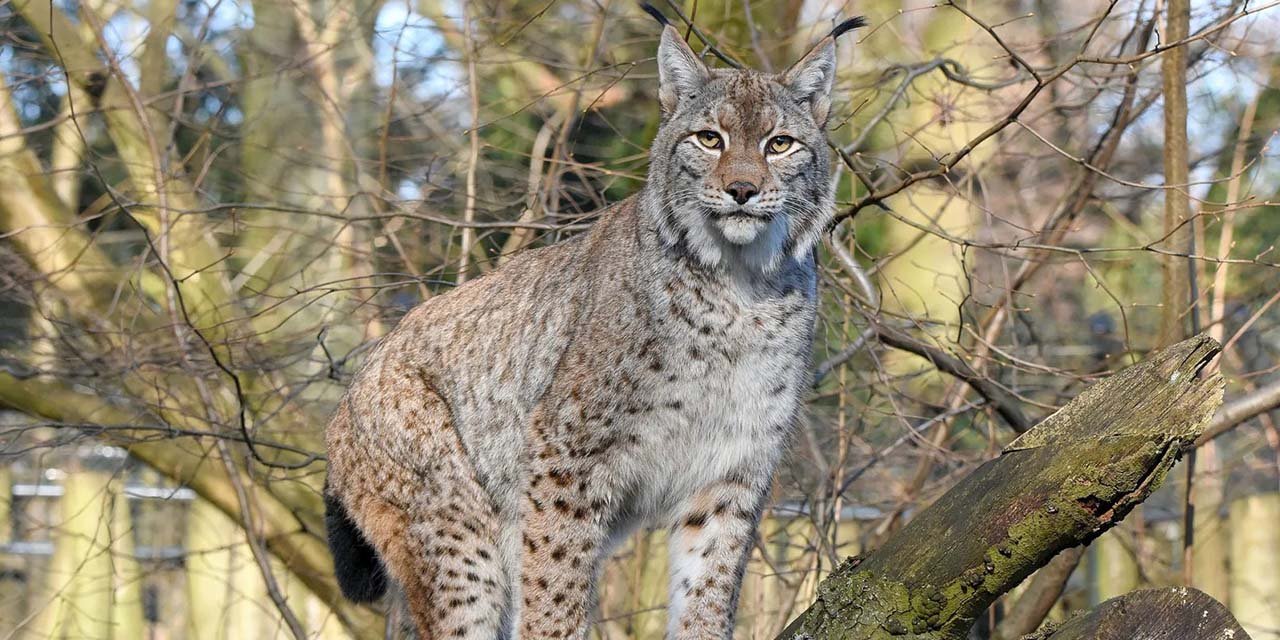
[[1175, 613], [1059, 485]]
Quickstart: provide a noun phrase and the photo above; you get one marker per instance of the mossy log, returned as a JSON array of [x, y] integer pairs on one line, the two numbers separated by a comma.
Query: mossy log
[[1151, 613], [1061, 484]]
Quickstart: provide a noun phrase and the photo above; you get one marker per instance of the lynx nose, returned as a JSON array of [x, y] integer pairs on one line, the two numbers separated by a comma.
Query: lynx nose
[[741, 191]]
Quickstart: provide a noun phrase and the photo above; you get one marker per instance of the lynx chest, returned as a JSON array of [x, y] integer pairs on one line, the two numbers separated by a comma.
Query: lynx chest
[[724, 387]]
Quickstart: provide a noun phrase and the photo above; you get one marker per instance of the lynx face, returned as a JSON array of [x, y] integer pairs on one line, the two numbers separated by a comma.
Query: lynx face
[[740, 164]]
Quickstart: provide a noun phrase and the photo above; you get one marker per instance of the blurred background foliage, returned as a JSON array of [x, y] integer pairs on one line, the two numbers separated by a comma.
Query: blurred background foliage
[[210, 209]]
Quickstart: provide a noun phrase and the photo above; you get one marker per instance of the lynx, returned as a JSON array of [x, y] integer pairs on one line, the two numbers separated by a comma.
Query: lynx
[[506, 436]]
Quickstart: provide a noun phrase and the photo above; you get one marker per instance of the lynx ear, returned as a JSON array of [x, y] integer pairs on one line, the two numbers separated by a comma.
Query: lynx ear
[[811, 78], [680, 72]]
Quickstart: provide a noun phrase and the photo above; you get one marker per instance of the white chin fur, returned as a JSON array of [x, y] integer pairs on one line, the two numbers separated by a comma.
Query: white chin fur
[[741, 230]]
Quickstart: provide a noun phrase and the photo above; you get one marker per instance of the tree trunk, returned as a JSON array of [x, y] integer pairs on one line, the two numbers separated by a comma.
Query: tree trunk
[[1177, 202]]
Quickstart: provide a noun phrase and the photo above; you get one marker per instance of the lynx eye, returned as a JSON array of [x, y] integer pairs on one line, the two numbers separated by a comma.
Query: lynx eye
[[709, 139], [780, 144]]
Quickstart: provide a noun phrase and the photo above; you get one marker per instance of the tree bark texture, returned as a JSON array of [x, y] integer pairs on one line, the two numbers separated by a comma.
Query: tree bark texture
[[1176, 613]]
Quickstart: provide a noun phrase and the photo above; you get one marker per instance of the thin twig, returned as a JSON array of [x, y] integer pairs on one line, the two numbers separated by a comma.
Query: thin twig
[[473, 153]]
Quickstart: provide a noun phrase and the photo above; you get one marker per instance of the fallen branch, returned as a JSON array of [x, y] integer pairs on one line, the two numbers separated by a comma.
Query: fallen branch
[[1058, 486]]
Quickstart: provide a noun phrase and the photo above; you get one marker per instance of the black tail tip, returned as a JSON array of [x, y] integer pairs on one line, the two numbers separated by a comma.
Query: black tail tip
[[848, 25], [657, 15], [360, 574]]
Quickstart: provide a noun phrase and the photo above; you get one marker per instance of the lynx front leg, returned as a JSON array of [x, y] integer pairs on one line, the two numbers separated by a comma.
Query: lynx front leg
[[562, 542], [710, 544]]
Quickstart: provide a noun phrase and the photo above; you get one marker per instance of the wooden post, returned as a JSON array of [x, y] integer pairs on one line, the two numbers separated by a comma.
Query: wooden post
[[91, 590], [759, 600], [779, 586], [1255, 564], [12, 587], [127, 621], [1211, 543], [637, 610], [1114, 566], [226, 598]]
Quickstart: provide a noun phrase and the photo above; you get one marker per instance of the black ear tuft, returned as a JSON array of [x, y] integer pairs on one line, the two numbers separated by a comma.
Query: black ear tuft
[[848, 25], [653, 11]]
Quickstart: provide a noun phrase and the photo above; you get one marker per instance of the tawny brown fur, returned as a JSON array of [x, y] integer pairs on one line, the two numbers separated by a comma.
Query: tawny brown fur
[[505, 436]]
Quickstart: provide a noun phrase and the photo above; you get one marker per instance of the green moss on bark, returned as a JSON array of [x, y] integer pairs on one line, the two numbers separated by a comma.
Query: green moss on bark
[[1060, 485]]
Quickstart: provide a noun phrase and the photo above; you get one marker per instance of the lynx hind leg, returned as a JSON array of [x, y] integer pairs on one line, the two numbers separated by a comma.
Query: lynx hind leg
[[399, 619], [432, 524]]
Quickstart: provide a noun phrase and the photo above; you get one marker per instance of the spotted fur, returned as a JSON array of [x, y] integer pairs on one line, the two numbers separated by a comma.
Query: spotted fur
[[501, 441]]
